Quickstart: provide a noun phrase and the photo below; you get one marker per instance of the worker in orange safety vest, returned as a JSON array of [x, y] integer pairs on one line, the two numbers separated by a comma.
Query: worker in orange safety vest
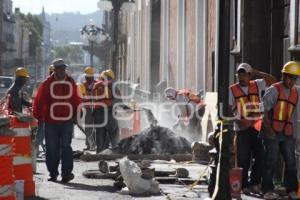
[[245, 105], [280, 130]]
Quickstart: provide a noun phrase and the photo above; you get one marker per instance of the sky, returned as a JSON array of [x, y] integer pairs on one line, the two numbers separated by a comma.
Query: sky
[[56, 6]]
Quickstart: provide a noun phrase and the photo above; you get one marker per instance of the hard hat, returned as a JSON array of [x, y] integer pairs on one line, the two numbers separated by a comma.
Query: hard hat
[[89, 71], [102, 76], [21, 72], [170, 92], [110, 74], [51, 68], [291, 67]]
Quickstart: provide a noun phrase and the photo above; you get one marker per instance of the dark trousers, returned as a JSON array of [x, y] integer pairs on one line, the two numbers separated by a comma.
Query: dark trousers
[[89, 130], [250, 148], [58, 147], [286, 146], [108, 132]]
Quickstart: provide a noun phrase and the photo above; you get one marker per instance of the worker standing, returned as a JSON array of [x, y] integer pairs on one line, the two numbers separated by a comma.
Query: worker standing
[[86, 89], [244, 102], [17, 97], [106, 95], [56, 105], [280, 120]]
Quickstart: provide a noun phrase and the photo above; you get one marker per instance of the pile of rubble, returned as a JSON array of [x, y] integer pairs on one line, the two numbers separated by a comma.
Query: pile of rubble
[[154, 140]]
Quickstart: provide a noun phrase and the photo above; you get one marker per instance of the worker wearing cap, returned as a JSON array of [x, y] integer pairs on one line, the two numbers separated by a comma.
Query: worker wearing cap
[[56, 105], [280, 130], [17, 97], [191, 109], [106, 95], [86, 89], [245, 104]]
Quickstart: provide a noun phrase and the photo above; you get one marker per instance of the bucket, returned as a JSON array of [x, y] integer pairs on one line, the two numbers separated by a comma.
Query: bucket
[[235, 180], [20, 189]]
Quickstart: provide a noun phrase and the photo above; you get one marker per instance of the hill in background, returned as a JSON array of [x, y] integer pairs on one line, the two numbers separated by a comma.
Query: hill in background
[[65, 27]]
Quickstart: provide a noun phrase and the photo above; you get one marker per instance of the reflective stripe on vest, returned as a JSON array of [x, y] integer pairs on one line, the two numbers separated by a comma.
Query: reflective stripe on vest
[[22, 160], [21, 132], [247, 104], [7, 190], [5, 149], [283, 109]]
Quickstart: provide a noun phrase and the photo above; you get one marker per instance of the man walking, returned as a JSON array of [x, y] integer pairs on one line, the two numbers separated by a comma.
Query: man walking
[[56, 104]]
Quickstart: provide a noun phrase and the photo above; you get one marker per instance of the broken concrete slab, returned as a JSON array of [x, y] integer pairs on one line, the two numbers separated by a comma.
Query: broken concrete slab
[[96, 174]]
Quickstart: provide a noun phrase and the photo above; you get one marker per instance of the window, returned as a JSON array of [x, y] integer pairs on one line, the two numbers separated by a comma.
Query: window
[[298, 22], [236, 25]]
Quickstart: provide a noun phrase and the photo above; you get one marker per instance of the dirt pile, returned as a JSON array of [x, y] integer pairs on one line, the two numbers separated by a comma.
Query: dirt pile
[[154, 140]]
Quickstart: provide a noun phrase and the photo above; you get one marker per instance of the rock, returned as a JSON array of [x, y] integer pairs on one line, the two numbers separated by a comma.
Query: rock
[[182, 173], [77, 154], [144, 164], [154, 140], [148, 173], [131, 174], [103, 166]]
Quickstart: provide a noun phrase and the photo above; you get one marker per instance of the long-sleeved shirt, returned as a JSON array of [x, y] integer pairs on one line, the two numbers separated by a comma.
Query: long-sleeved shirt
[[17, 98], [56, 101]]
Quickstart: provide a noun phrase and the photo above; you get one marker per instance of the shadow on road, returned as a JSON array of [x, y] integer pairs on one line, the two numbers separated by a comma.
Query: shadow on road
[[80, 186]]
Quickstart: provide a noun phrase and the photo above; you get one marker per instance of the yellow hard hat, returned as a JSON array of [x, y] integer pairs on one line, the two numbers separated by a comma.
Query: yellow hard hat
[[21, 72], [51, 68], [291, 67], [89, 71], [110, 74]]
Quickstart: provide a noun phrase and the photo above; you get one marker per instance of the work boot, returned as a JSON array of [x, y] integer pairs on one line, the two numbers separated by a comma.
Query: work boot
[[52, 179], [270, 196], [255, 189], [293, 196], [67, 178]]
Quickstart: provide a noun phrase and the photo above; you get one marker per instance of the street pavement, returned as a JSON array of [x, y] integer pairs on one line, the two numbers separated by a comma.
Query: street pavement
[[82, 188]]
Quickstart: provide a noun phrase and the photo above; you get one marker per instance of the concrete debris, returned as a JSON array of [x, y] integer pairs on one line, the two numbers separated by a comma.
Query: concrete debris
[[182, 173], [96, 174], [136, 185], [154, 140]]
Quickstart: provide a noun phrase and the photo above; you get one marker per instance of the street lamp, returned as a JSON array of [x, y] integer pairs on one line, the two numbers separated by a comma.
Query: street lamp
[[93, 34], [116, 6]]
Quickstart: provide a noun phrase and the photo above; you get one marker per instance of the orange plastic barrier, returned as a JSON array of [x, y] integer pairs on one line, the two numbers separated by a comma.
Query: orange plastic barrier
[[7, 181], [22, 161]]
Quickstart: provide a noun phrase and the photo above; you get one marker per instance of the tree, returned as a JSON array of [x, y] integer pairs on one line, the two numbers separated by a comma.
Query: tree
[[70, 53]]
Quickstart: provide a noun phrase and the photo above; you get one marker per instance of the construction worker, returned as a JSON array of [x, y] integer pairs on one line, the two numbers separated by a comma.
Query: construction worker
[[280, 122], [191, 108], [17, 97], [103, 111], [56, 105], [86, 89], [244, 102]]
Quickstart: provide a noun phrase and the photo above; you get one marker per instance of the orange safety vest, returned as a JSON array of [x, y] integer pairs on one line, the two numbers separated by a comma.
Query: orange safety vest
[[247, 105], [88, 94], [283, 110], [103, 93]]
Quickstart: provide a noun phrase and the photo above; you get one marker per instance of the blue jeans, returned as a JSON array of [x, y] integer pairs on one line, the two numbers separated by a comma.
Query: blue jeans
[[286, 146], [58, 147]]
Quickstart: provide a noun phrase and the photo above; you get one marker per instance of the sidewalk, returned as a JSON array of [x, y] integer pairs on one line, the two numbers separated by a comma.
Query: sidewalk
[[82, 188]]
